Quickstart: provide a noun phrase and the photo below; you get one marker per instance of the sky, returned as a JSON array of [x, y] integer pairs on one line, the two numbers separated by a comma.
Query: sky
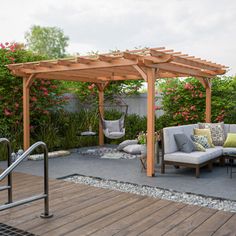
[[203, 28]]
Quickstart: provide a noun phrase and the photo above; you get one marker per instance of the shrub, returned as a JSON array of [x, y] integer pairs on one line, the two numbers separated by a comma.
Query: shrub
[[44, 95], [184, 100]]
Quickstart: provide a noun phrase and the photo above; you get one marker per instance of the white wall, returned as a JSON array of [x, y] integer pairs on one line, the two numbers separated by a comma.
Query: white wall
[[137, 104]]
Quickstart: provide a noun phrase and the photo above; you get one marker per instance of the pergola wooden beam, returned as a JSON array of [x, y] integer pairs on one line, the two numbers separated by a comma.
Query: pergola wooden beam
[[150, 121], [129, 65]]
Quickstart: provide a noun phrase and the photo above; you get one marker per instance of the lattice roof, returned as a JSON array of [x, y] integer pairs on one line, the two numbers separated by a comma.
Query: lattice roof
[[127, 65]]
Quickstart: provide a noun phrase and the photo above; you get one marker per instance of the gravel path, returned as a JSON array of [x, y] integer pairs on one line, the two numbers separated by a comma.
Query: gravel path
[[187, 198]]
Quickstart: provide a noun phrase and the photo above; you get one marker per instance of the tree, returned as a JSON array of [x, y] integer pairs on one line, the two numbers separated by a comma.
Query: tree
[[48, 41]]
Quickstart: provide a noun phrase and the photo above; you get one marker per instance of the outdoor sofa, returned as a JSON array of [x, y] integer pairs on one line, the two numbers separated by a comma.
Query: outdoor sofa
[[196, 159]]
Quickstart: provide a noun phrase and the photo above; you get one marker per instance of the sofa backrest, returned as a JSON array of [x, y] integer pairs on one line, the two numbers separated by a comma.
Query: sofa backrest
[[168, 134], [229, 128], [169, 140]]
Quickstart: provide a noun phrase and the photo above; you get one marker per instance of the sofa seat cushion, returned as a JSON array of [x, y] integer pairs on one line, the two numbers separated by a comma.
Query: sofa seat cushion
[[228, 150], [194, 157]]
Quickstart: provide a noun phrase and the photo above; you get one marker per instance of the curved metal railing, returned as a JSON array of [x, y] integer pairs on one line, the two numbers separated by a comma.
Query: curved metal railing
[[12, 166]]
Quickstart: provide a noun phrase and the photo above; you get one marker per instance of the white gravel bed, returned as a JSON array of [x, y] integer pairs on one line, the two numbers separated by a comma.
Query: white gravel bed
[[155, 192]]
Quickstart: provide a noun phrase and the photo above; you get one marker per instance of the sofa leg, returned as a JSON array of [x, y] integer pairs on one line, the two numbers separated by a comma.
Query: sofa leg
[[163, 168], [197, 172], [222, 161], [209, 166], [176, 167]]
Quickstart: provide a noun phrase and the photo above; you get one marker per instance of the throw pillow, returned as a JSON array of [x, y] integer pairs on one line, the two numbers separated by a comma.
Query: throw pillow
[[204, 132], [184, 143], [133, 149], [126, 143], [217, 132], [201, 139], [199, 147], [231, 140]]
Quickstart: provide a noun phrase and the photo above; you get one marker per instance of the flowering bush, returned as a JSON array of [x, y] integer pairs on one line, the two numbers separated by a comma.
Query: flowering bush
[[184, 100], [44, 95]]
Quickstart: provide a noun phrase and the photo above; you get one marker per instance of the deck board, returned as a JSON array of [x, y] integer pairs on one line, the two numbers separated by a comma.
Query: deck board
[[84, 210]]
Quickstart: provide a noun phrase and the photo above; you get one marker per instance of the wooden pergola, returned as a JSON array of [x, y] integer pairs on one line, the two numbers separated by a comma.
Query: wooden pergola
[[146, 64]]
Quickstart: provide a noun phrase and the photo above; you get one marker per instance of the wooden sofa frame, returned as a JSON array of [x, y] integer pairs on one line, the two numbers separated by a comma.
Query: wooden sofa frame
[[197, 167]]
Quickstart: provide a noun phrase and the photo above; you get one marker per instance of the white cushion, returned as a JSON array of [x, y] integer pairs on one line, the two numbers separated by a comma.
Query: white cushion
[[133, 149], [126, 143], [114, 135], [112, 125], [194, 157]]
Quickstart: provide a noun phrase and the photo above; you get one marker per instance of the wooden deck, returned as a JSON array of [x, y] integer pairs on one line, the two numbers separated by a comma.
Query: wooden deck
[[84, 210]]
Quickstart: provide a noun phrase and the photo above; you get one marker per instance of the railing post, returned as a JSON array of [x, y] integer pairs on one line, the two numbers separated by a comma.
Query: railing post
[[9, 181], [9, 162], [46, 213], [8, 173]]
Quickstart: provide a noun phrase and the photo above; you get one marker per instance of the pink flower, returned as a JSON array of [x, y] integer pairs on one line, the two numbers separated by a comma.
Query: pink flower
[[188, 86], [7, 112], [45, 112], [2, 46], [33, 99], [157, 107], [45, 93], [193, 108], [200, 95]]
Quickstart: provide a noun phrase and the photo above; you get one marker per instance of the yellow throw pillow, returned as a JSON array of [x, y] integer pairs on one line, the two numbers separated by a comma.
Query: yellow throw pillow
[[231, 140], [205, 132]]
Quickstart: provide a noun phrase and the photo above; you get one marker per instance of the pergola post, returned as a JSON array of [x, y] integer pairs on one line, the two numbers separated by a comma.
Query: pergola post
[[101, 110], [208, 101], [26, 110], [150, 121], [101, 88], [26, 113]]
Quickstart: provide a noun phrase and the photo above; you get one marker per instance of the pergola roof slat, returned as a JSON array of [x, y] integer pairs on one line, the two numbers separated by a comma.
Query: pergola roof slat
[[120, 65]]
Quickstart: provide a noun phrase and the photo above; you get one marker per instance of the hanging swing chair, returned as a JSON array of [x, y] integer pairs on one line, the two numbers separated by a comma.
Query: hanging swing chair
[[114, 129]]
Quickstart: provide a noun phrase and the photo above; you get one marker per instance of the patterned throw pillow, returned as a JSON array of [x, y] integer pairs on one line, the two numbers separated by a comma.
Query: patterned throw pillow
[[201, 139], [205, 132], [217, 132], [199, 147]]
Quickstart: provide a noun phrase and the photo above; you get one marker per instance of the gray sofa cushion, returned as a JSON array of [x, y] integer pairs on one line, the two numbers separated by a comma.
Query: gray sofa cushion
[[229, 150], [232, 128], [194, 157], [229, 128], [169, 140], [184, 143]]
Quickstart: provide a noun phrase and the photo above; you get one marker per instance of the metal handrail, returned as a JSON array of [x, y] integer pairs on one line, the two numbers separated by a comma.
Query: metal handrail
[[9, 162], [11, 167]]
